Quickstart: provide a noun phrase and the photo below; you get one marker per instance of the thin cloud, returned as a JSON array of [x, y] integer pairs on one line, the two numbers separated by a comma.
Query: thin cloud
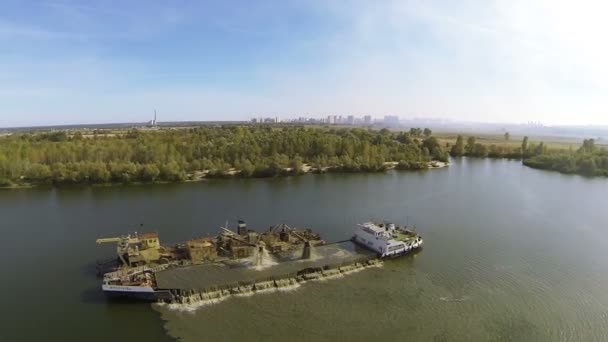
[[14, 31], [476, 60]]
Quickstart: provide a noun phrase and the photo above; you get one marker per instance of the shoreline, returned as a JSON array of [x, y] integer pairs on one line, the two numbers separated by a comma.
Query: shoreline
[[201, 176]]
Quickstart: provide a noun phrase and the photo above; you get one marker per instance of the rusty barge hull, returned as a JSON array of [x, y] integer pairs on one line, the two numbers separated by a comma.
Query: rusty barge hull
[[195, 283], [206, 276]]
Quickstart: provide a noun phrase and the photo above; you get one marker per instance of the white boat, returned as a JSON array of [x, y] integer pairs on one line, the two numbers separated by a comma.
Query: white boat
[[386, 239], [138, 282]]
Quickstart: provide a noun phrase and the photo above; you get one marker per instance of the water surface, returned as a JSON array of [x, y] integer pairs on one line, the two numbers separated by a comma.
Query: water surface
[[511, 253]]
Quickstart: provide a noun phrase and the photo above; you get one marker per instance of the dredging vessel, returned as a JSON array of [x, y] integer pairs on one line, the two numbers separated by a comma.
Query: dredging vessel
[[242, 261]]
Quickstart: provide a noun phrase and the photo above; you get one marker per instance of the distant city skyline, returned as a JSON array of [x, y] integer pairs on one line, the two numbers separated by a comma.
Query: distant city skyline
[[346, 119], [361, 120], [76, 62]]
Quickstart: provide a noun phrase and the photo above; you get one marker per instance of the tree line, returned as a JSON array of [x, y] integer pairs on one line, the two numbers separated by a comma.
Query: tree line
[[588, 160], [472, 148], [176, 155]]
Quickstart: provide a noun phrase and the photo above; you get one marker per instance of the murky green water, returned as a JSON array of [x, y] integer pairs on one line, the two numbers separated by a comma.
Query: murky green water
[[510, 254]]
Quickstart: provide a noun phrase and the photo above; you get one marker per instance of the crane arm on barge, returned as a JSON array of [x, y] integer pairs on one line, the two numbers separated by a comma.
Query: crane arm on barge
[[122, 245]]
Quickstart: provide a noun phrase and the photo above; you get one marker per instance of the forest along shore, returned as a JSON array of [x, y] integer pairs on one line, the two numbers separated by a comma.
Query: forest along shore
[[167, 155], [307, 169]]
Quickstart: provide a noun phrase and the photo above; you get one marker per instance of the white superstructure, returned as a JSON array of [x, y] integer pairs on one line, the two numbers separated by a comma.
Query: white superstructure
[[131, 282], [384, 239]]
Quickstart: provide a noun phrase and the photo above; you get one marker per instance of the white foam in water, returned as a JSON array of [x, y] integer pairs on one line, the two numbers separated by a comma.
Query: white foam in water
[[331, 274], [355, 270], [283, 285], [291, 287], [313, 254], [192, 307], [329, 277], [245, 294], [264, 287], [246, 291], [359, 268], [262, 260], [452, 299]]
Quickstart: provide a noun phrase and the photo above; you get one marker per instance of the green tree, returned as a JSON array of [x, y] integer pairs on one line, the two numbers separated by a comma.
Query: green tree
[[149, 173], [415, 132], [524, 146], [172, 172], [296, 164], [39, 173], [479, 150], [97, 173], [470, 147], [123, 172], [435, 149], [540, 149], [138, 155], [59, 172], [588, 146], [247, 168], [404, 138], [588, 167], [458, 148], [589, 160]]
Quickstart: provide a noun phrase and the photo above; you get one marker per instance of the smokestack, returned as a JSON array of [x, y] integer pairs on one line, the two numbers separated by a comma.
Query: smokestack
[[242, 228]]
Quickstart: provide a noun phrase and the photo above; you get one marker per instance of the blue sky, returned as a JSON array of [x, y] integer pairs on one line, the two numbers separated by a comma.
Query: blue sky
[[67, 62]]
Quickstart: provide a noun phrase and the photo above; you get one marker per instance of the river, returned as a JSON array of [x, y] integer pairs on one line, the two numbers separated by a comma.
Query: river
[[510, 254]]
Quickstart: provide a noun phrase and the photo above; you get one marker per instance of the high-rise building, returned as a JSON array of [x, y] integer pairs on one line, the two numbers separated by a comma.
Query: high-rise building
[[391, 120], [367, 119]]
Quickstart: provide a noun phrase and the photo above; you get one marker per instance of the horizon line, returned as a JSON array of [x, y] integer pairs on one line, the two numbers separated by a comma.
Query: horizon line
[[445, 121]]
